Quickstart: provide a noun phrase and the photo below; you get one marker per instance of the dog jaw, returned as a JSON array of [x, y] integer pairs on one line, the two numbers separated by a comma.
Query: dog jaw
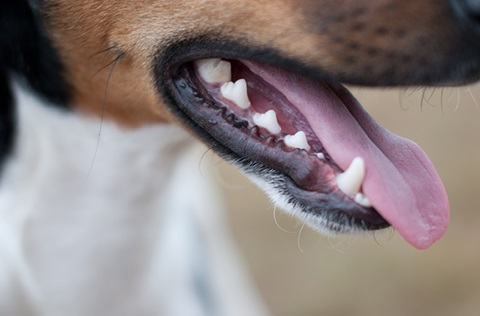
[[400, 182], [111, 52]]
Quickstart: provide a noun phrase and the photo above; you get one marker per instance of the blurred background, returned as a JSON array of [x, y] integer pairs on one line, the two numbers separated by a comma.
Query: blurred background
[[300, 272]]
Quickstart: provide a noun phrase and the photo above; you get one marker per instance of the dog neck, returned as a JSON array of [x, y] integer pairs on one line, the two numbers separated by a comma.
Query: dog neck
[[104, 192], [111, 214], [62, 156]]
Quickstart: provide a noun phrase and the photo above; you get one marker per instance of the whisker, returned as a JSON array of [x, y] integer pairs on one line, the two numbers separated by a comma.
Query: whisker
[[430, 97], [299, 238], [109, 64], [102, 51], [414, 90], [276, 222], [469, 91], [457, 106], [441, 99], [422, 99], [401, 99], [103, 113], [200, 169]]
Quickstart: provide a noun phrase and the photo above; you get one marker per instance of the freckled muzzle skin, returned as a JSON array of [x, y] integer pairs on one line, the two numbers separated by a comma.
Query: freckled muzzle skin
[[378, 42], [396, 42]]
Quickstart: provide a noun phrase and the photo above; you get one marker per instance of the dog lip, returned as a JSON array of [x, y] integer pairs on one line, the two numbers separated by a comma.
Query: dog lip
[[309, 180], [420, 227]]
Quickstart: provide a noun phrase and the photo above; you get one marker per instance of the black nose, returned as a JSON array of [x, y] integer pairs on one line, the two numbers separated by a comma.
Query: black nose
[[468, 12]]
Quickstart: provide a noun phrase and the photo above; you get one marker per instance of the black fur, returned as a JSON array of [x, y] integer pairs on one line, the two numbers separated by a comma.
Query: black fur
[[25, 52], [7, 118]]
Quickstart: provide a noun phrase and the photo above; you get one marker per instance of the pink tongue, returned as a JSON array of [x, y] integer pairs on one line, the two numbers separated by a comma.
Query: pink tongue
[[400, 180]]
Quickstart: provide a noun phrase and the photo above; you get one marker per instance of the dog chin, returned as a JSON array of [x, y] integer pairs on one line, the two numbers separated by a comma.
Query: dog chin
[[275, 185]]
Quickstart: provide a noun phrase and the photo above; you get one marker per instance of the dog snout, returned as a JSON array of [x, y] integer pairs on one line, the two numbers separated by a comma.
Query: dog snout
[[409, 42], [468, 12]]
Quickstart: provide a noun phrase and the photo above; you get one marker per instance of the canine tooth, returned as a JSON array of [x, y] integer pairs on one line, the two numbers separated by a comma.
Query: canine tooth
[[362, 200], [268, 120], [214, 70], [320, 155], [299, 140], [351, 180], [236, 92]]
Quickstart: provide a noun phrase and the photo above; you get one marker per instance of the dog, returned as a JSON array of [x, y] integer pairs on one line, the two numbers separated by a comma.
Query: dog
[[103, 103]]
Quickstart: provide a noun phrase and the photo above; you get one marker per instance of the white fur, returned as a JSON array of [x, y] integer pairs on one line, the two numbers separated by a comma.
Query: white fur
[[128, 238]]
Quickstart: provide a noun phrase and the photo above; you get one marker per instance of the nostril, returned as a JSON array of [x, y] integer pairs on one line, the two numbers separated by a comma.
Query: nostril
[[469, 12]]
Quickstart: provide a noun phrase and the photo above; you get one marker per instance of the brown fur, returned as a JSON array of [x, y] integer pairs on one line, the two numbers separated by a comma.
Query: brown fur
[[347, 38]]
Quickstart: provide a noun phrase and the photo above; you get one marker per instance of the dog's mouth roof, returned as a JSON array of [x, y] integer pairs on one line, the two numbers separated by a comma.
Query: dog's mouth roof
[[337, 157]]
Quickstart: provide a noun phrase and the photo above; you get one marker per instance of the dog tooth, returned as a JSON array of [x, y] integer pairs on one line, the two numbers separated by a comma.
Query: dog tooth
[[320, 155], [236, 92], [268, 120], [214, 70], [299, 140], [350, 181], [361, 199]]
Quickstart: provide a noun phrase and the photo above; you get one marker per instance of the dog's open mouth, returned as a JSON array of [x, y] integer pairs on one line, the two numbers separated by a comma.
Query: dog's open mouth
[[330, 161]]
